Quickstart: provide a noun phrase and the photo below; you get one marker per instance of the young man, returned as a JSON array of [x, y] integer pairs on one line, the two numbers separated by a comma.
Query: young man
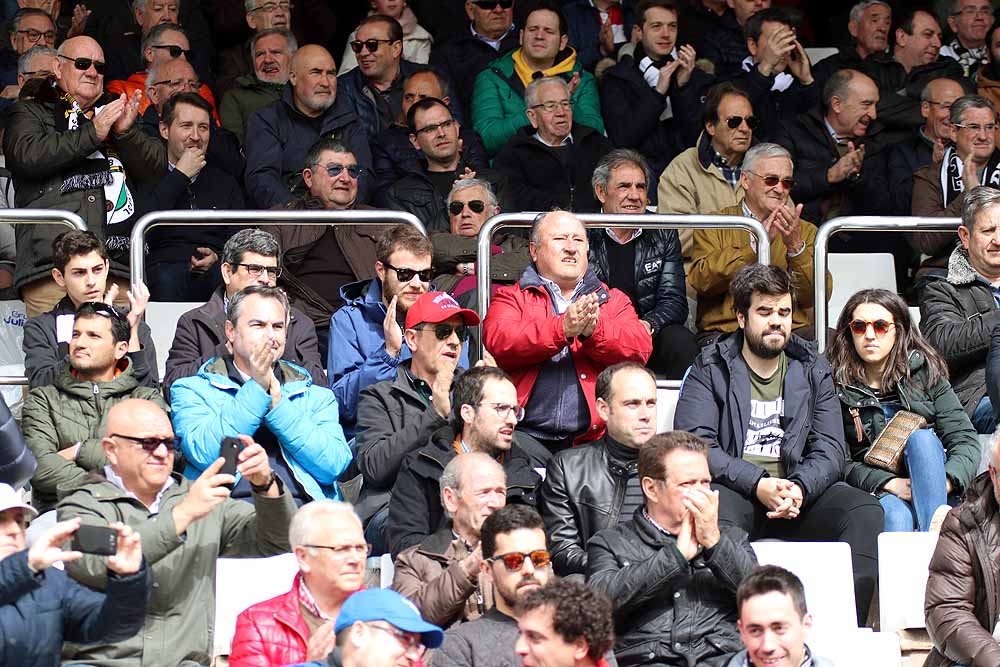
[[565, 624]]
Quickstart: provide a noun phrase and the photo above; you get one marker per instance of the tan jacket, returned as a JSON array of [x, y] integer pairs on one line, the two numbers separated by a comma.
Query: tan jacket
[[719, 253]]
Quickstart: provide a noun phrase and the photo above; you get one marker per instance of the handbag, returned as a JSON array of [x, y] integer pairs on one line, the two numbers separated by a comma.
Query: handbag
[[887, 450]]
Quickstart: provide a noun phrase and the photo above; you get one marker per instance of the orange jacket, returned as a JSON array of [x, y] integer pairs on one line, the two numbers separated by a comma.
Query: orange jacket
[[138, 82]]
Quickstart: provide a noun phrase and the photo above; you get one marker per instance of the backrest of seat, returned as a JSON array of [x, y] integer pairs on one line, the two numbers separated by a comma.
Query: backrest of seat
[[243, 582], [666, 404], [903, 559], [852, 272], [162, 316]]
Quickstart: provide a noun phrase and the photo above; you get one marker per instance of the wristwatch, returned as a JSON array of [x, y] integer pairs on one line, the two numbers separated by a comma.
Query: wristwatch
[[263, 488]]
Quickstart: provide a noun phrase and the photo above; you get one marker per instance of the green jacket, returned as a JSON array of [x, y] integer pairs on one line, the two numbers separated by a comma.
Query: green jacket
[[69, 411], [180, 617], [938, 405], [498, 108], [248, 95]]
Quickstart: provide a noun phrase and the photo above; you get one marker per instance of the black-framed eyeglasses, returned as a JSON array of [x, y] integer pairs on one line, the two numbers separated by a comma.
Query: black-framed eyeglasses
[[150, 445], [255, 270], [353, 170], [179, 83], [490, 4], [475, 205], [174, 50], [552, 105], [771, 180], [269, 7], [344, 551], [432, 129], [443, 331], [406, 275], [83, 64], [514, 560], [409, 642], [35, 35], [371, 44], [504, 409], [734, 122]]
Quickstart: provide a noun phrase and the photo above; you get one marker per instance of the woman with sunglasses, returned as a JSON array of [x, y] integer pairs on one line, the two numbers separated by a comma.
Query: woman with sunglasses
[[881, 365]]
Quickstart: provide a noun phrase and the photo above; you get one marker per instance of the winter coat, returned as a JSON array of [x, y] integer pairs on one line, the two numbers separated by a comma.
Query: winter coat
[[485, 642], [17, 463], [247, 96], [726, 47], [927, 200], [463, 57], [224, 152], [394, 157], [272, 632], [776, 108], [71, 411], [903, 160]]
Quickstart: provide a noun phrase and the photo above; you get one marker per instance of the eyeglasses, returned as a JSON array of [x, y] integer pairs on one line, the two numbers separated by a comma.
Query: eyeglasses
[[490, 4], [406, 275], [735, 121], [35, 35], [344, 551], [551, 106], [104, 309], [353, 170], [771, 181], [409, 642], [444, 331], [976, 128], [269, 7], [83, 64], [514, 561], [370, 44], [432, 129], [256, 269], [150, 445], [944, 105], [880, 327], [38, 73], [974, 11], [475, 205], [174, 50], [503, 409], [179, 83]]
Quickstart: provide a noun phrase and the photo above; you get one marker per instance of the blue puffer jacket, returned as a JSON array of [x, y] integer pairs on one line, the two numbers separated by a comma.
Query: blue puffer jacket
[[306, 423], [38, 612]]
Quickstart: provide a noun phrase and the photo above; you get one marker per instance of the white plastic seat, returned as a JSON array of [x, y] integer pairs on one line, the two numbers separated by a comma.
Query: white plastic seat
[[852, 272], [666, 404], [903, 559], [818, 53], [162, 316], [242, 583]]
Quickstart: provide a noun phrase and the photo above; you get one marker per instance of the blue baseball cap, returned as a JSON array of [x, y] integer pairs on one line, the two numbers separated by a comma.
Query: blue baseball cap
[[382, 604]]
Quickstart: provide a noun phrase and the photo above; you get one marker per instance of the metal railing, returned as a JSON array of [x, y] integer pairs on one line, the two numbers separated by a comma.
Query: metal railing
[[205, 218], [860, 223]]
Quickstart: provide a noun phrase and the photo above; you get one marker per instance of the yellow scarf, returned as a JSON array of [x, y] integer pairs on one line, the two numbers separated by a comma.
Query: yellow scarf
[[527, 75]]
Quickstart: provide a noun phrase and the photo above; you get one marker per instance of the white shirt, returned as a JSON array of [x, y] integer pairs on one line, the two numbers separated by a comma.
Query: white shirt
[[117, 481]]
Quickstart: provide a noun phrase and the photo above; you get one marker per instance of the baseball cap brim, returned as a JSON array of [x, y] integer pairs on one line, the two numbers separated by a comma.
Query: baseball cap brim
[[431, 635], [10, 499]]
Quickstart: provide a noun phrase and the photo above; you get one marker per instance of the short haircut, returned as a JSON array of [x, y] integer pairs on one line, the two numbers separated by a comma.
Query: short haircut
[[966, 102], [468, 390], [714, 97], [15, 21], [789, 16], [310, 515], [442, 80], [256, 241], [861, 7], [531, 92], [978, 200], [505, 520], [420, 106], [466, 183], [838, 85], [120, 329], [652, 455], [762, 152], [758, 279], [607, 376], [614, 159], [191, 99], [645, 5], [772, 579], [907, 17], [550, 6], [264, 291], [74, 243], [451, 478], [157, 31], [322, 146], [402, 237], [290, 42], [24, 62], [577, 611], [395, 29], [535, 235]]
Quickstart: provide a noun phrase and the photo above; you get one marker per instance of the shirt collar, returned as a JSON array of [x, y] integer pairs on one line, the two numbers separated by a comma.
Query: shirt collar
[[495, 43], [635, 234], [837, 139], [567, 140], [309, 602], [113, 477], [747, 212]]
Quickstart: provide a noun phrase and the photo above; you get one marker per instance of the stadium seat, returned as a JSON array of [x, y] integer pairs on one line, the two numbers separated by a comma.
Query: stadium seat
[[270, 576], [861, 648], [12, 319], [902, 577], [667, 394], [915, 315], [853, 272], [818, 53], [162, 316]]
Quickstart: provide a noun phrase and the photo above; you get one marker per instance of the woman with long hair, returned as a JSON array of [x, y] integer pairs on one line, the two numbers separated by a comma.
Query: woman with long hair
[[881, 365]]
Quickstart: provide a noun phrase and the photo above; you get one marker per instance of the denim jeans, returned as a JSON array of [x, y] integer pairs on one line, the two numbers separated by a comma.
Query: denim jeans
[[984, 418], [925, 457]]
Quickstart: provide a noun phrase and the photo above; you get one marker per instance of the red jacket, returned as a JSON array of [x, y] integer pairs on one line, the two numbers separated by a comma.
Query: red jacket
[[521, 333], [271, 633]]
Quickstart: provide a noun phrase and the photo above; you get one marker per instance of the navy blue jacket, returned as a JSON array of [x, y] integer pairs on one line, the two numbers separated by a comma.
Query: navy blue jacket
[[905, 158], [463, 57], [394, 157], [584, 28]]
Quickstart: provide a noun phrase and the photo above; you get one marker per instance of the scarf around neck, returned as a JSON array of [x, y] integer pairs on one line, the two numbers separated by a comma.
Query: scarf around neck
[[952, 184], [527, 75]]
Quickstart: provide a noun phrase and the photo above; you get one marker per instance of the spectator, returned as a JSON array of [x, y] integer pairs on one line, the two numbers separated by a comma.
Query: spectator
[[35, 63], [673, 542], [498, 108], [81, 268], [719, 254], [328, 543], [186, 526], [484, 413], [588, 489], [17, 463], [556, 329], [969, 20], [279, 135], [988, 77], [517, 562], [645, 264], [183, 261], [777, 475], [565, 624], [272, 51], [399, 415], [548, 165], [253, 392], [649, 99], [50, 167], [240, 60], [442, 573], [868, 25], [416, 40], [726, 48], [66, 421], [596, 30], [250, 257], [29, 28], [881, 365], [393, 153], [958, 312], [770, 598], [42, 607]]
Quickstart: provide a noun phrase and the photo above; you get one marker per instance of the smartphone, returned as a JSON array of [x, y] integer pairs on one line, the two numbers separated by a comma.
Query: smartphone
[[230, 452], [98, 540]]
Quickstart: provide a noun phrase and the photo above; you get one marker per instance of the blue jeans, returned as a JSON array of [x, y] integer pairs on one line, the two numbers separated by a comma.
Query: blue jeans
[[925, 459], [984, 418]]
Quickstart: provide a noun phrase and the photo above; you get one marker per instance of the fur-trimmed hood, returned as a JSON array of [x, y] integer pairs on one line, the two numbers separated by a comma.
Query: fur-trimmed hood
[[960, 270]]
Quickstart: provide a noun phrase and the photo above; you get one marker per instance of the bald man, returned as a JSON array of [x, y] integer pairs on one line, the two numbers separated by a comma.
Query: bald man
[[280, 134], [185, 525]]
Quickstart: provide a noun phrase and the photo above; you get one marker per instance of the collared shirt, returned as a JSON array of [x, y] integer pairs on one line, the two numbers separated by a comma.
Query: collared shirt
[[636, 233], [495, 43], [730, 172], [837, 139], [420, 386], [309, 602], [567, 140], [560, 304], [969, 59], [117, 481], [753, 237]]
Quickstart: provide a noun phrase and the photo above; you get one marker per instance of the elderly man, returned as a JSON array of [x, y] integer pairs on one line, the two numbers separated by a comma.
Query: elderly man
[[565, 624], [279, 135], [240, 60], [441, 574], [718, 254], [556, 329], [672, 542], [29, 28], [970, 21], [185, 526], [272, 52], [35, 63], [329, 545], [548, 163], [51, 148], [644, 264], [868, 25], [252, 391]]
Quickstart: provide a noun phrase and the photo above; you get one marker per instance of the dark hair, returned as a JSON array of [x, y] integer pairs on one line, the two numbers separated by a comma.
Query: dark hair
[[323, 145], [652, 455], [772, 579], [264, 291], [760, 279], [15, 21], [252, 240], [549, 6], [645, 5], [435, 72], [848, 368], [420, 106], [402, 237], [786, 15], [577, 611], [192, 99], [74, 243], [157, 31], [468, 390], [906, 20], [505, 520], [120, 329], [395, 29], [838, 85], [713, 100], [607, 376]]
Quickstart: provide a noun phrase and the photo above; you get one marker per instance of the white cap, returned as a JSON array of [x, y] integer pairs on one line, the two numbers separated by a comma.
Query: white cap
[[11, 499]]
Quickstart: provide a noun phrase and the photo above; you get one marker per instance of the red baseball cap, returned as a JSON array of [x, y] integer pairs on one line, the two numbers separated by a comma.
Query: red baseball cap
[[435, 307]]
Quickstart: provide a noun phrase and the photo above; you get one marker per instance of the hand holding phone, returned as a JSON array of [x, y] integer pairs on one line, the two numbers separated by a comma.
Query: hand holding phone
[[230, 452], [97, 540]]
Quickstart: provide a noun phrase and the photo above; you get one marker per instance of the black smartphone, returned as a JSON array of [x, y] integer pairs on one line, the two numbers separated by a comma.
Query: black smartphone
[[230, 451], [98, 540]]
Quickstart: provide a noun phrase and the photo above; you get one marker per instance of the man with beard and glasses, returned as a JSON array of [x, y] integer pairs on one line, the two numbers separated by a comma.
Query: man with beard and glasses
[[765, 401]]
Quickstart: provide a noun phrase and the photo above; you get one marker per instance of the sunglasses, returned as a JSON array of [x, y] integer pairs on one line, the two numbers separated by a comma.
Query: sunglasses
[[475, 205], [490, 4], [771, 181], [880, 327], [735, 121], [104, 310], [353, 170], [174, 50], [83, 64], [514, 561], [444, 331], [150, 445], [370, 44], [406, 275]]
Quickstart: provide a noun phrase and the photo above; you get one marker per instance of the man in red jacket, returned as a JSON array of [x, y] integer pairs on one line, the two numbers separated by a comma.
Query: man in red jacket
[[557, 329]]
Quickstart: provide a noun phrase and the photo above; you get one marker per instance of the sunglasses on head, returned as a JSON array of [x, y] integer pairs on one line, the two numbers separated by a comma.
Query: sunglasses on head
[[353, 170], [406, 275], [150, 445], [370, 44], [475, 205], [103, 309], [735, 121], [444, 331], [490, 4], [174, 50], [83, 64], [514, 561], [880, 327]]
